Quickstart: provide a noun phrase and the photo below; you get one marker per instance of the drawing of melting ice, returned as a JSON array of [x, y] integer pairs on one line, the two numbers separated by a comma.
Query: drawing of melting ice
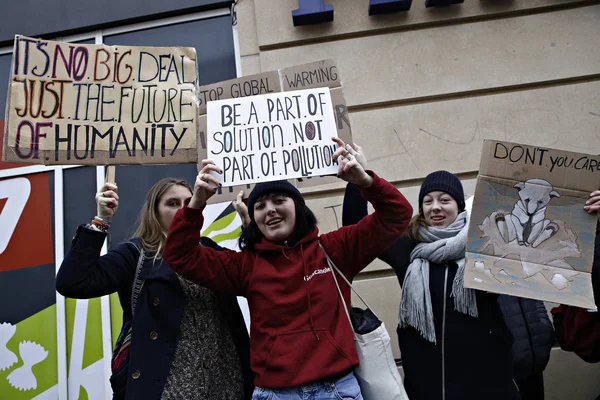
[[545, 272], [7, 357], [553, 252], [23, 378]]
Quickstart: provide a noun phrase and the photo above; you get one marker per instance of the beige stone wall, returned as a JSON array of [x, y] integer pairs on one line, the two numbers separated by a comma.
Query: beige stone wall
[[425, 87]]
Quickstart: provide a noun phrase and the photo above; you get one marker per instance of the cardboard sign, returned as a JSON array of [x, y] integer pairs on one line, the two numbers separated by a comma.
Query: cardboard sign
[[271, 137], [308, 76], [95, 104], [529, 235]]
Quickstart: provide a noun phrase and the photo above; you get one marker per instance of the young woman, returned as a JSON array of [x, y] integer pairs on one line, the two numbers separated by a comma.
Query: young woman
[[301, 342], [187, 342], [454, 341]]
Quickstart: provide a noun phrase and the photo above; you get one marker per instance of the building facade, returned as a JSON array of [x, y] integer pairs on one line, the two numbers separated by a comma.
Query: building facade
[[424, 87]]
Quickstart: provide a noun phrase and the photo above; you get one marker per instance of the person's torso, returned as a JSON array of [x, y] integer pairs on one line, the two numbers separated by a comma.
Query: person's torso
[[471, 358], [168, 320], [206, 363], [306, 335]]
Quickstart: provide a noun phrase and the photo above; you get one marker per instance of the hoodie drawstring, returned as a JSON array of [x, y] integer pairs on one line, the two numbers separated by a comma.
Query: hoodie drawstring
[[312, 324]]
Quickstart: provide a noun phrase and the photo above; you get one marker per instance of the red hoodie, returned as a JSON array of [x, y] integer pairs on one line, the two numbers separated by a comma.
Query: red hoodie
[[299, 331]]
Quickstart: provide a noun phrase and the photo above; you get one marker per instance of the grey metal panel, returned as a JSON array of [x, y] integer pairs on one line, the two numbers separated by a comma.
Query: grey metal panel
[[79, 188], [31, 288], [5, 61], [212, 38], [47, 18]]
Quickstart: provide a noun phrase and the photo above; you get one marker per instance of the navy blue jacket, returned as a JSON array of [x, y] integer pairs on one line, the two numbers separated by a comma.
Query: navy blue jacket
[[532, 331], [84, 274], [472, 358]]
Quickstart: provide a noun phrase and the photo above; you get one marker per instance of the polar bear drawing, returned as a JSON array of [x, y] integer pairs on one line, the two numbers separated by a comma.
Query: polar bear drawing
[[527, 221]]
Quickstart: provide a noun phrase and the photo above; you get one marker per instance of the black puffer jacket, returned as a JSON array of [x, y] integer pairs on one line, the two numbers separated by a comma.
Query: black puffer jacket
[[472, 358], [532, 331]]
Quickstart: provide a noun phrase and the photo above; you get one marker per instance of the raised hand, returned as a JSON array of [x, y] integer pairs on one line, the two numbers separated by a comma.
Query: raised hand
[[107, 201], [592, 205], [205, 185], [351, 167], [357, 151], [242, 209]]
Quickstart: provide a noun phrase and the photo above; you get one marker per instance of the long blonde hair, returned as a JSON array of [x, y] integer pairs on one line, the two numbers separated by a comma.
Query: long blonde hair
[[412, 232], [149, 229]]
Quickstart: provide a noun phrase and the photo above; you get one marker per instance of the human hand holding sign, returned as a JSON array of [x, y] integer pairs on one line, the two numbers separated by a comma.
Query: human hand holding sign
[[351, 168], [592, 205], [107, 201], [205, 184]]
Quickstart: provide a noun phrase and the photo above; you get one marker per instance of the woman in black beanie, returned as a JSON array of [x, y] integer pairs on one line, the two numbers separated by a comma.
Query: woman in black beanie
[[454, 341]]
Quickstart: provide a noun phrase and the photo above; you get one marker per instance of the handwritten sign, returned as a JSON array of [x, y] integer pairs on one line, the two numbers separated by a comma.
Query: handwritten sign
[[95, 104], [274, 136], [552, 161], [529, 235]]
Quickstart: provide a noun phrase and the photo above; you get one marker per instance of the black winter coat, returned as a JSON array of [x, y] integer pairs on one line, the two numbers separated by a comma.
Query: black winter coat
[[159, 308], [532, 331], [472, 357]]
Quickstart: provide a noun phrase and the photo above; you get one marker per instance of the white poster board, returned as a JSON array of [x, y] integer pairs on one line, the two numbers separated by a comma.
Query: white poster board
[[273, 136]]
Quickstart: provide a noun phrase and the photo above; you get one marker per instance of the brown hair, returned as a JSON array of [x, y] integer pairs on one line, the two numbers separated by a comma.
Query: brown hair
[[412, 232], [149, 229]]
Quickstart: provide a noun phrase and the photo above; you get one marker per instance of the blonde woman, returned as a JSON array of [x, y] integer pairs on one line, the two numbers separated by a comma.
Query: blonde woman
[[180, 340]]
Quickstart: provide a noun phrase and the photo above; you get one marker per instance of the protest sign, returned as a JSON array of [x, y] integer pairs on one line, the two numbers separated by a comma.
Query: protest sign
[[271, 137], [312, 75], [529, 235], [95, 104]]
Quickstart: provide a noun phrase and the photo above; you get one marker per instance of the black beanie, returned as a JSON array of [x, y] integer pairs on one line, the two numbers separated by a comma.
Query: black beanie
[[443, 181], [265, 188]]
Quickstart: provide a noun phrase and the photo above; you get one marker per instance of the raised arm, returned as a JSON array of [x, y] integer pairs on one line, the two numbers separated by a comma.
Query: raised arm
[[374, 233], [83, 274], [355, 208], [218, 270]]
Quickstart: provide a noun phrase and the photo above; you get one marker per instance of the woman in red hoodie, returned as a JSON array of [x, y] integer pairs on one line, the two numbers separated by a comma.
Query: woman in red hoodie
[[302, 345]]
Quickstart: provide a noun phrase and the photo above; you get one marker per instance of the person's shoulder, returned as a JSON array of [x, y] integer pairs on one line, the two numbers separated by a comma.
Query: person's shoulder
[[404, 243], [132, 247], [398, 254]]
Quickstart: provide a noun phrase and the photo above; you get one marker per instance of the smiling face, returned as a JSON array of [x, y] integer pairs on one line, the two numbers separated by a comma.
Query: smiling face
[[275, 216], [439, 209], [169, 203]]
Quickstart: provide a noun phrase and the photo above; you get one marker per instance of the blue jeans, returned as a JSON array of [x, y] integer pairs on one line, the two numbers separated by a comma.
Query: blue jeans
[[345, 388]]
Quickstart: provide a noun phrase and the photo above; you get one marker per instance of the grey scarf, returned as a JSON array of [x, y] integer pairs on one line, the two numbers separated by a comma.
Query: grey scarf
[[437, 246]]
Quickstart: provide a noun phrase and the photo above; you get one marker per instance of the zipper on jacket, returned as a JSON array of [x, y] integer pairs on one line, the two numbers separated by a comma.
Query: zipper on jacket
[[529, 336], [444, 334]]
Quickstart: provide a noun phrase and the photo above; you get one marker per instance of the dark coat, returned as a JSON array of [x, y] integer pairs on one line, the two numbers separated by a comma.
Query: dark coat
[[84, 274], [472, 358], [532, 331], [596, 267]]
